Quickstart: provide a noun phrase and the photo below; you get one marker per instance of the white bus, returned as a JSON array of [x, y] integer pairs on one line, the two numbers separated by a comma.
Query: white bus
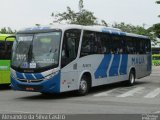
[[62, 58]]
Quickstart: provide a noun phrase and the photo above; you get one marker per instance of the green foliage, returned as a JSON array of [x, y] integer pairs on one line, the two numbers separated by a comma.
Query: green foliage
[[81, 5], [104, 23], [7, 30], [156, 59], [130, 28], [85, 17], [156, 62], [156, 29], [135, 29], [82, 17], [158, 2], [156, 56]]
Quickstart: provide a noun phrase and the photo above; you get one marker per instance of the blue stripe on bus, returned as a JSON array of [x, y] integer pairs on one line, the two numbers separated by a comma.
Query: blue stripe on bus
[[115, 32], [29, 76], [105, 30], [114, 66], [123, 33], [19, 75], [56, 79], [123, 67], [38, 75], [103, 67]]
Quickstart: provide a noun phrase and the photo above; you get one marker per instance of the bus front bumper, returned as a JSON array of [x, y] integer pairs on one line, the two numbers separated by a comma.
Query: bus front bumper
[[51, 85]]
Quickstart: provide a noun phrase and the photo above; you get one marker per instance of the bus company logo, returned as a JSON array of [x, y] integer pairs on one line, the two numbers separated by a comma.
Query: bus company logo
[[25, 65], [138, 60], [29, 81]]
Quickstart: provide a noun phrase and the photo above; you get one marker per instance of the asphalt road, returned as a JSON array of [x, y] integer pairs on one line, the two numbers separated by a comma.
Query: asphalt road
[[142, 98]]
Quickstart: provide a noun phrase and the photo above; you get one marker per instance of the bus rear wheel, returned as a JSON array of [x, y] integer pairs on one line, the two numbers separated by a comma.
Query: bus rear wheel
[[83, 86], [131, 79]]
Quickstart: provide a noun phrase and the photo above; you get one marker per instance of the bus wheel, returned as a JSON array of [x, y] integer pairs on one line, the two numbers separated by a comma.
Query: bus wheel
[[131, 80], [83, 87], [45, 94]]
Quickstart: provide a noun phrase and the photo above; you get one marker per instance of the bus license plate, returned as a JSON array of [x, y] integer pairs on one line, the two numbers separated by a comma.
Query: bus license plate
[[29, 89]]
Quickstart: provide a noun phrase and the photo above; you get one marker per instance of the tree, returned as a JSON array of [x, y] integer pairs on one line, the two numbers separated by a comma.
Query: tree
[[7, 30], [136, 29], [158, 2], [155, 29], [104, 23], [81, 5], [82, 17], [131, 28]]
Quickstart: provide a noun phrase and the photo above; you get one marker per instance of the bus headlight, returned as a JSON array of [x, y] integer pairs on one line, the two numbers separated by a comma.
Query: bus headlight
[[50, 76]]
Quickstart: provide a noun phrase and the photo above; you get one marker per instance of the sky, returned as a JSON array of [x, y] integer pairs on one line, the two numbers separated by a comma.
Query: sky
[[18, 14]]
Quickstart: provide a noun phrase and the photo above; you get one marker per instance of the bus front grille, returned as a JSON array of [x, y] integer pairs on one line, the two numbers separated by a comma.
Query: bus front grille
[[30, 81]]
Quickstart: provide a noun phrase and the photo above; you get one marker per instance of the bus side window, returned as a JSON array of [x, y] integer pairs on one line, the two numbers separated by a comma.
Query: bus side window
[[9, 49], [2, 49], [70, 46], [5, 53], [88, 44], [148, 46]]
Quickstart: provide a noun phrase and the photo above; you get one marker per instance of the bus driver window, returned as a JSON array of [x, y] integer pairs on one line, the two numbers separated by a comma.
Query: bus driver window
[[70, 46]]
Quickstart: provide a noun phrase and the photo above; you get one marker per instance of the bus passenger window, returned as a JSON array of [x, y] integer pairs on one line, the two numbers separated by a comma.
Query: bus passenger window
[[88, 44]]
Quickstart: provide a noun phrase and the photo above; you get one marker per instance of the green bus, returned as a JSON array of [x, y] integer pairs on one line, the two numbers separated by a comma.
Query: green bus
[[5, 57]]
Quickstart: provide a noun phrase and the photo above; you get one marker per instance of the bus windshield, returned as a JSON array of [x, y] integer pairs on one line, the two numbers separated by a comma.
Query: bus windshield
[[34, 51]]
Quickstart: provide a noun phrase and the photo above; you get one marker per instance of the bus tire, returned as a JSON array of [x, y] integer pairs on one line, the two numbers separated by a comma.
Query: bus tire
[[83, 86], [45, 94], [131, 79]]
